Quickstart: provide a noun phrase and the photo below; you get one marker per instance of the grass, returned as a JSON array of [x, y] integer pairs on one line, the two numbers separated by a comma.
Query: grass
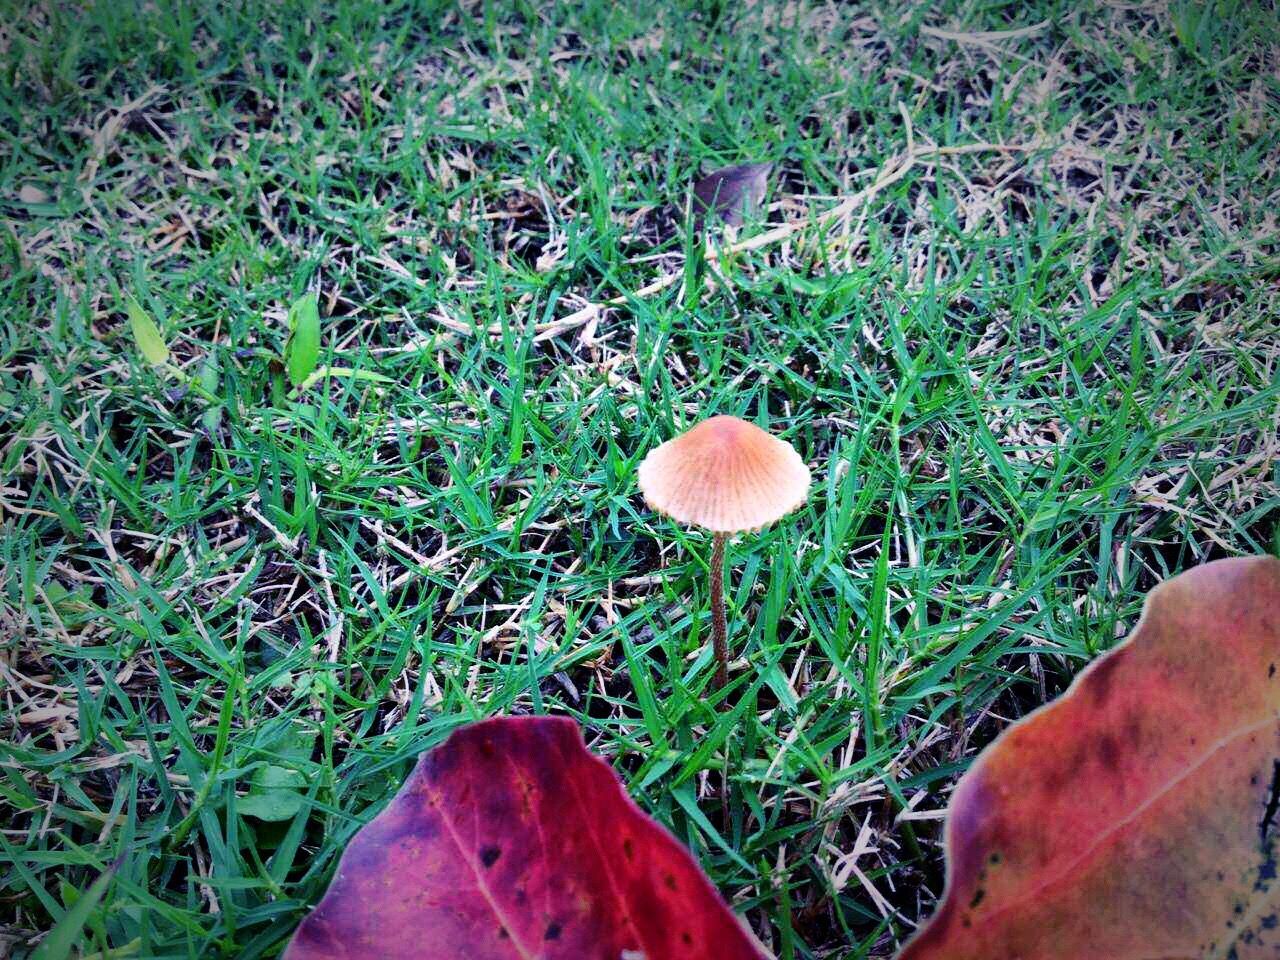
[[1032, 377]]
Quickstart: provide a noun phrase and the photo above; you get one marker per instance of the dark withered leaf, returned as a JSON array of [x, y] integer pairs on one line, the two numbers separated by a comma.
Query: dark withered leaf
[[733, 192]]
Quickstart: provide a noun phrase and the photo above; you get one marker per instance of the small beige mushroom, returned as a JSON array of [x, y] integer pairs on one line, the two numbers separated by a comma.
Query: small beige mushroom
[[727, 476]]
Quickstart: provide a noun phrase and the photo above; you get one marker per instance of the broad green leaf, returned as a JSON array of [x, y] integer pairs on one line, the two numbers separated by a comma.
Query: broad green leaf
[[273, 789], [291, 743], [146, 334], [302, 349], [273, 794]]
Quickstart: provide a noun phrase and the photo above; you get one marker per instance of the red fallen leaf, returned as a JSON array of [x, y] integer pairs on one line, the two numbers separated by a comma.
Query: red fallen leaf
[[511, 840], [1136, 816]]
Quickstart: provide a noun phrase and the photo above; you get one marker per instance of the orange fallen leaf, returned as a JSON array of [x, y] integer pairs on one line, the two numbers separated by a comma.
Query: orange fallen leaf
[[1135, 818]]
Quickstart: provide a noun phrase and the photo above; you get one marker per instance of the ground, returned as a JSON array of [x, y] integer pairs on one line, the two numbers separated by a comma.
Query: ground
[[1015, 299]]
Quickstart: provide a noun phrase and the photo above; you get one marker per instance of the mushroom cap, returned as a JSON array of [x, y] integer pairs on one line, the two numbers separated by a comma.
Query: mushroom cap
[[726, 475]]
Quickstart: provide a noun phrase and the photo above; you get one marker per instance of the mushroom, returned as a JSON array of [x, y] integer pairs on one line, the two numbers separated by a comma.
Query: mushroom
[[727, 476]]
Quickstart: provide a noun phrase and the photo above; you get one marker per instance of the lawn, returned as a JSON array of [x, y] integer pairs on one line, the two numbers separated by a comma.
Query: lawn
[[1015, 299]]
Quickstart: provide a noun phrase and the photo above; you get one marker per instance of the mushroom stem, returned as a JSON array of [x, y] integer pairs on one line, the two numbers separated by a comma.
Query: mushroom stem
[[719, 630]]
